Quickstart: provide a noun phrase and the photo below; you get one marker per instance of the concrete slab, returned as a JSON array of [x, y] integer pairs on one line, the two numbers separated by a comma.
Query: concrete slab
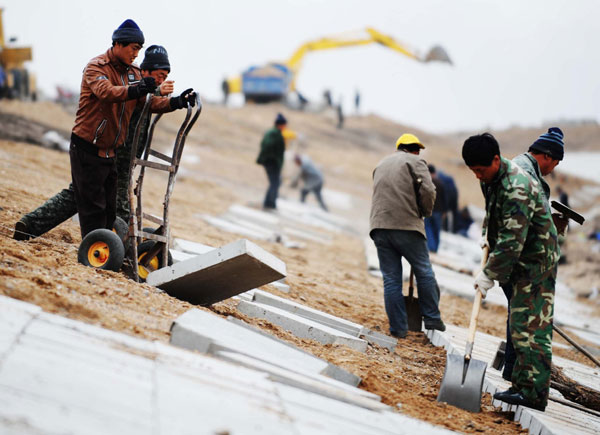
[[332, 371], [219, 274], [228, 226], [281, 286], [300, 326], [321, 317], [180, 255], [190, 247], [197, 330]]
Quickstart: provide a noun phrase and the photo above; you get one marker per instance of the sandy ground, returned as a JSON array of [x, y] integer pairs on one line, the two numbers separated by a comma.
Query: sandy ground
[[219, 171]]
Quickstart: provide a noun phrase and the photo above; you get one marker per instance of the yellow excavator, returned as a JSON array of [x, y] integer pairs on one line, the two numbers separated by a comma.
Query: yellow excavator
[[15, 80], [275, 80]]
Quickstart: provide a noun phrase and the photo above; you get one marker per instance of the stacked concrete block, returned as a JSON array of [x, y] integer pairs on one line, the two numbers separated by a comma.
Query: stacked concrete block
[[219, 273]]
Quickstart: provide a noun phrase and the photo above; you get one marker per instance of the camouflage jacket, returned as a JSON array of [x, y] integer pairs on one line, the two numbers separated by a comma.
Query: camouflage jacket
[[529, 163], [522, 237]]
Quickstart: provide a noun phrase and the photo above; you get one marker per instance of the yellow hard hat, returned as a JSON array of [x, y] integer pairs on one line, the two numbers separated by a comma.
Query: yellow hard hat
[[408, 139], [288, 134]]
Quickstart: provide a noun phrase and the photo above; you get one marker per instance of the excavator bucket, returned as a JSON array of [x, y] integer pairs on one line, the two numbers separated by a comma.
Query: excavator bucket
[[437, 53]]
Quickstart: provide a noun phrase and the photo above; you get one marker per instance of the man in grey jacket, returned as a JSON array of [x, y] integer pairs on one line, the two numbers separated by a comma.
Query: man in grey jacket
[[403, 194]]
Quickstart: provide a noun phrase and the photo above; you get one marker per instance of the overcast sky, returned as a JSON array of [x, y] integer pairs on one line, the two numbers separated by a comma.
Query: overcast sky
[[516, 62]]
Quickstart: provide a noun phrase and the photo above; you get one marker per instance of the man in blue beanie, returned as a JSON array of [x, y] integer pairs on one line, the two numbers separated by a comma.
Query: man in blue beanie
[[272, 149], [540, 160], [111, 88], [62, 206]]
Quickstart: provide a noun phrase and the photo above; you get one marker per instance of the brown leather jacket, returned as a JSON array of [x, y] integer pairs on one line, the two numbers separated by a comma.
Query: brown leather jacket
[[104, 111]]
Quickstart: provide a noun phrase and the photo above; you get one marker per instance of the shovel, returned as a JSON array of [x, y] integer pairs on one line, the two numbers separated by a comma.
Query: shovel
[[463, 379], [413, 311]]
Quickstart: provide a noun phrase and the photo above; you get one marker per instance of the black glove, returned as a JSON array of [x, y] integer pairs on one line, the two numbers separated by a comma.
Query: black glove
[[187, 96], [146, 86]]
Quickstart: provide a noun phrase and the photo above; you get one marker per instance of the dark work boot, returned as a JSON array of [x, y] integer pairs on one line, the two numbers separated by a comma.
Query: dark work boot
[[435, 324], [516, 398], [21, 231]]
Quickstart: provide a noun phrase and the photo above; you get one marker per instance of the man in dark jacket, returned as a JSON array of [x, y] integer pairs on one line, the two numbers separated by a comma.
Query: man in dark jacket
[[62, 206], [272, 149], [111, 89]]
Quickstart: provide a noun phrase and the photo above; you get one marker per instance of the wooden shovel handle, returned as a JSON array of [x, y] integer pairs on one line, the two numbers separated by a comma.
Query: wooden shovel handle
[[475, 311]]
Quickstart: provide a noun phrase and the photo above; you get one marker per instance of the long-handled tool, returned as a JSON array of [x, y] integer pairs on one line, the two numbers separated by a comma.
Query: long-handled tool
[[413, 310], [462, 383]]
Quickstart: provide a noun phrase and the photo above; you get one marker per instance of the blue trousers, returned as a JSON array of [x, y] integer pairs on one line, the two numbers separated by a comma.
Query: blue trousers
[[433, 227], [274, 176], [392, 245]]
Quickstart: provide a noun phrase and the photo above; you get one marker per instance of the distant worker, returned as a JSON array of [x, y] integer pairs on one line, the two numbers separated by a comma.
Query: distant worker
[[523, 245], [225, 89], [403, 193], [450, 216], [463, 222], [357, 101], [62, 206], [327, 97], [272, 149], [540, 160], [340, 115], [312, 179], [433, 223]]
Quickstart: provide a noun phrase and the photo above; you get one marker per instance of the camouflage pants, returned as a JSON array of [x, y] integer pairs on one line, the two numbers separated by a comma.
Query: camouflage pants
[[531, 312], [53, 212], [63, 206]]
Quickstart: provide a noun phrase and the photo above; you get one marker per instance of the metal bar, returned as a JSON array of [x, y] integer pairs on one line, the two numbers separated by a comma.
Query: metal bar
[[153, 219], [154, 165], [160, 155], [575, 345]]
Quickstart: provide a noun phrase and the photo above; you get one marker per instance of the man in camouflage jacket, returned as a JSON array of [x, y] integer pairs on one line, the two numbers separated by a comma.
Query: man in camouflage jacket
[[523, 251], [540, 160]]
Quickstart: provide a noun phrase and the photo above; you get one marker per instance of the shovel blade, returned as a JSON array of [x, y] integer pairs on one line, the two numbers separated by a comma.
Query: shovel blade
[[462, 383], [413, 313]]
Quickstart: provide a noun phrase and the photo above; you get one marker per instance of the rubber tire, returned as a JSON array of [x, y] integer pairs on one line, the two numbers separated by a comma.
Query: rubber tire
[[146, 247], [114, 245], [120, 228]]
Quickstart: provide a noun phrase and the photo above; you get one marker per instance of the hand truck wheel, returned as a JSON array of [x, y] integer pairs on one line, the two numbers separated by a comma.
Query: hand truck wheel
[[102, 249], [154, 263]]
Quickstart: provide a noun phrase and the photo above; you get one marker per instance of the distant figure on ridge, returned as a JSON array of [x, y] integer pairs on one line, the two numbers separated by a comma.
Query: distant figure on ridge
[[272, 149], [312, 179]]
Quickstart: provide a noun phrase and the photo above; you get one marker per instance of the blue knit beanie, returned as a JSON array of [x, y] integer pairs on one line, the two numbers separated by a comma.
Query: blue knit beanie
[[280, 120], [128, 31], [156, 57], [550, 143]]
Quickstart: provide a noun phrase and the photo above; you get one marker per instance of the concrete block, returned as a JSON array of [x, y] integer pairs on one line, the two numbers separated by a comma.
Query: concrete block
[[331, 370], [180, 255], [190, 247], [228, 226], [281, 286], [321, 317], [219, 274], [306, 381], [379, 339], [300, 326], [197, 330]]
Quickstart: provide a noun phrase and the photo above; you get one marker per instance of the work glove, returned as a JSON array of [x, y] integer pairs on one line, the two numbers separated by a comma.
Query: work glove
[[187, 96], [483, 243], [146, 86], [560, 222], [483, 283]]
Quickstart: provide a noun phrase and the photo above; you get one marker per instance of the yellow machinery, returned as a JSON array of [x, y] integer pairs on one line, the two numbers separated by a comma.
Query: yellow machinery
[[275, 80], [15, 80]]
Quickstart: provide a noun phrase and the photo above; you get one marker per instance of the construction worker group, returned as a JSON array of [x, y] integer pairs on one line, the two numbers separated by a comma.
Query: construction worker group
[[519, 228]]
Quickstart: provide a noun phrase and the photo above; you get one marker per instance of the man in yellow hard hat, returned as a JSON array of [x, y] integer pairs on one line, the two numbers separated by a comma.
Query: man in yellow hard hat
[[403, 194]]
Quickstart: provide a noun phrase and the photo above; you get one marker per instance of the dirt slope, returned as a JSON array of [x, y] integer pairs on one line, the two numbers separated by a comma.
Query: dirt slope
[[219, 171]]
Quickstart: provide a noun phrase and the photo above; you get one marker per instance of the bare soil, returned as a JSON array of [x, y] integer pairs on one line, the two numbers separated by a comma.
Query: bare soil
[[218, 171]]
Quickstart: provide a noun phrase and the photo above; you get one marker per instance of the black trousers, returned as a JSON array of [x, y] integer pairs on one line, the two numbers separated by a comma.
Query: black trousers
[[95, 187]]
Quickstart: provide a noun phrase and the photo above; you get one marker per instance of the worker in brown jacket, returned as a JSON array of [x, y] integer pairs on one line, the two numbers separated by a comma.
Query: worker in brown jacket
[[403, 194], [111, 88]]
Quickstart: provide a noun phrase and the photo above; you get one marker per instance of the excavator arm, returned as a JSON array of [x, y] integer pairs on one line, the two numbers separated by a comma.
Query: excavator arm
[[367, 36]]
